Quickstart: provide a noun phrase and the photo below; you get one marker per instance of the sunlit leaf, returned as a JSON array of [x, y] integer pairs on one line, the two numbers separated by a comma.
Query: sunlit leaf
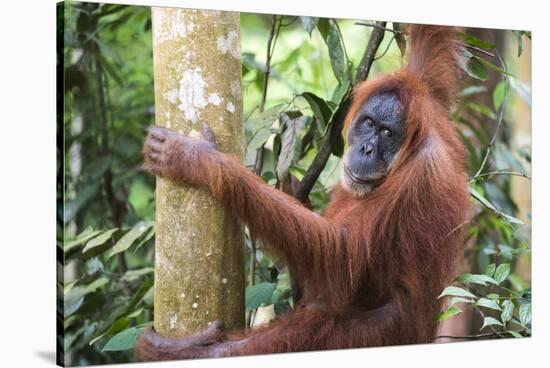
[[525, 314], [99, 240], [456, 291], [488, 303], [124, 340], [507, 310], [259, 294], [502, 272], [450, 312], [129, 238], [490, 321]]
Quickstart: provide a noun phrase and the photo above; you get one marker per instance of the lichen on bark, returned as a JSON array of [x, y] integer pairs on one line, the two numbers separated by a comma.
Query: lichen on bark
[[199, 262]]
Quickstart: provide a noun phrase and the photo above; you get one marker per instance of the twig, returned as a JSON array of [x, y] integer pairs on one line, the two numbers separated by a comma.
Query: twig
[[480, 50], [478, 336], [500, 172], [337, 120], [273, 33], [377, 26], [386, 50], [499, 121]]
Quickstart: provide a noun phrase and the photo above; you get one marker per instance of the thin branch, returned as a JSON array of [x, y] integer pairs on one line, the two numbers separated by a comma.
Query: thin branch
[[472, 337], [386, 50], [272, 39], [500, 172], [480, 50], [273, 33], [337, 120], [500, 118], [377, 26]]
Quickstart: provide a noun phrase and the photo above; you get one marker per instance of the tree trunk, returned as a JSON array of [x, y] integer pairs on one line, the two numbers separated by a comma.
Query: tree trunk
[[199, 261]]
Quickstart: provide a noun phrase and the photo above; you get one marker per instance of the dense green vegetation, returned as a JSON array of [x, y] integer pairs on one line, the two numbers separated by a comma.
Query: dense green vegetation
[[106, 201]]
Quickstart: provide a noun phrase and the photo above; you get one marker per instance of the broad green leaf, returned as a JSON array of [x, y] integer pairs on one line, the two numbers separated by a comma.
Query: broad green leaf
[[81, 239], [493, 66], [468, 278], [330, 33], [320, 109], [471, 90], [502, 272], [259, 138], [456, 291], [450, 312], [298, 172], [474, 41], [129, 238], [458, 299], [489, 205], [517, 35], [400, 38], [132, 275], [514, 333], [488, 303], [490, 269], [290, 143], [259, 294], [99, 240], [525, 314], [490, 321], [309, 24], [507, 310], [124, 340], [500, 91]]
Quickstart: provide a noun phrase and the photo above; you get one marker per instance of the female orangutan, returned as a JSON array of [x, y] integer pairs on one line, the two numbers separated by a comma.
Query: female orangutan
[[371, 268]]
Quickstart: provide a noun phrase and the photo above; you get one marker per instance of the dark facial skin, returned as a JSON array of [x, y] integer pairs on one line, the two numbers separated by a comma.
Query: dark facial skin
[[374, 139]]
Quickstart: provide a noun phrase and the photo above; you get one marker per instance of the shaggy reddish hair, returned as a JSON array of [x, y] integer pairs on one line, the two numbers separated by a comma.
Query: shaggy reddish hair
[[371, 269]]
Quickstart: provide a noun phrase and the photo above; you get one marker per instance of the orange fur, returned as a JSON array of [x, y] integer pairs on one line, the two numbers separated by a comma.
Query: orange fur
[[372, 267]]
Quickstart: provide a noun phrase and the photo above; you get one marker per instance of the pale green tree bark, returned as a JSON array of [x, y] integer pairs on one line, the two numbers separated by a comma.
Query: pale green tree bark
[[199, 263]]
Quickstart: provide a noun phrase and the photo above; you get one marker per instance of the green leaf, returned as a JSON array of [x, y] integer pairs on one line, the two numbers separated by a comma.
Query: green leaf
[[400, 38], [468, 278], [309, 24], [450, 312], [291, 143], [493, 66], [490, 269], [489, 205], [525, 314], [129, 238], [474, 41], [472, 90], [320, 109], [132, 275], [493, 296], [475, 68], [490, 321], [498, 94], [330, 33], [259, 294], [124, 340], [80, 239], [507, 310], [502, 272], [517, 35], [99, 240], [488, 303], [514, 333], [260, 137], [456, 291], [458, 299]]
